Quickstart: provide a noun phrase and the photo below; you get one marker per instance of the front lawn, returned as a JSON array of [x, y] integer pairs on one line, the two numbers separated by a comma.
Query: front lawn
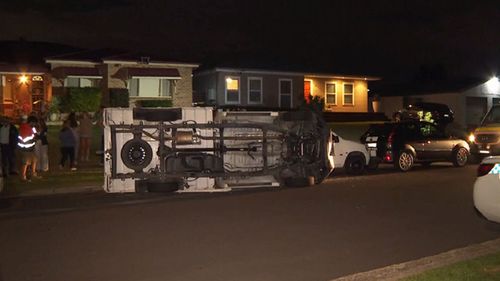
[[88, 173], [485, 268]]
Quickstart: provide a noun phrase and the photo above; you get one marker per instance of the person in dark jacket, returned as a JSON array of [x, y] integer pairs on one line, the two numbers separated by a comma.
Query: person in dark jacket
[[68, 141]]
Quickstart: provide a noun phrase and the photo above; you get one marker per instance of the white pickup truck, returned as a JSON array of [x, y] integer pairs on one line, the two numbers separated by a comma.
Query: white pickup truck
[[198, 149], [351, 155]]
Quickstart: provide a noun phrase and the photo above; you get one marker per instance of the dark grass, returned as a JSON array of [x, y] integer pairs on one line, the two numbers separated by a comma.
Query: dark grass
[[485, 268]]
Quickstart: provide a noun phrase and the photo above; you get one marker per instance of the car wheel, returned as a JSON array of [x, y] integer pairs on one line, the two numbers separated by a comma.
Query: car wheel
[[405, 161], [460, 157], [297, 182], [354, 165]]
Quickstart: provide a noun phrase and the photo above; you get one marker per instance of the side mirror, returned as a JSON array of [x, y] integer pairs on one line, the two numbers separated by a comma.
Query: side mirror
[[335, 138]]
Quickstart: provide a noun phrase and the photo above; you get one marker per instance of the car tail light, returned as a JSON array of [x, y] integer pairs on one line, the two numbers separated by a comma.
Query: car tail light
[[484, 169]]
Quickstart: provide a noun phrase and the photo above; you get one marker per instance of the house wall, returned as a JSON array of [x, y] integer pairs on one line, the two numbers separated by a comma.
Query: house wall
[[360, 94], [270, 88], [183, 95], [204, 88]]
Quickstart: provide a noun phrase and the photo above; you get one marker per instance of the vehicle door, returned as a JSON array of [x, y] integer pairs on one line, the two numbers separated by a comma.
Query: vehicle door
[[412, 137], [437, 144]]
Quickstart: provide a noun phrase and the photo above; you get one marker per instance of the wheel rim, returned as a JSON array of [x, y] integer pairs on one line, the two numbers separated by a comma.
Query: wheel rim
[[461, 156], [405, 161], [356, 165]]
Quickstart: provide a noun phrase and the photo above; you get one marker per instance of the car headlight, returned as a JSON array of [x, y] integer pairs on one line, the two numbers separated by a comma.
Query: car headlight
[[472, 138]]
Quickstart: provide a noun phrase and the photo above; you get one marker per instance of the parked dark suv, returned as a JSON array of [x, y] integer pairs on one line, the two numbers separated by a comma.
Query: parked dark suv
[[407, 143], [436, 113]]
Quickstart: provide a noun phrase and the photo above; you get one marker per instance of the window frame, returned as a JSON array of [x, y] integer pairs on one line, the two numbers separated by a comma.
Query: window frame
[[335, 93], [160, 88], [261, 90], [344, 94], [281, 94], [225, 89]]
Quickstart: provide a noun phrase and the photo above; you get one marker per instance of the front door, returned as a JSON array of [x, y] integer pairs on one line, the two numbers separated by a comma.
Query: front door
[[285, 93], [307, 91]]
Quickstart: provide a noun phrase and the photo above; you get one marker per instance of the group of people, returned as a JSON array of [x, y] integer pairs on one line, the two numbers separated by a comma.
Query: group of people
[[75, 138], [31, 141]]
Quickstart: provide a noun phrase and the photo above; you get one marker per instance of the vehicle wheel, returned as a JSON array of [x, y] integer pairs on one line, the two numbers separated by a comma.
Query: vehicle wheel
[[426, 163], [460, 157], [166, 185], [405, 161], [354, 165]]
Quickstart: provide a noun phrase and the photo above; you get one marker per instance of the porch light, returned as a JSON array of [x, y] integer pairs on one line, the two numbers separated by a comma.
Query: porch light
[[493, 85], [23, 79], [229, 80]]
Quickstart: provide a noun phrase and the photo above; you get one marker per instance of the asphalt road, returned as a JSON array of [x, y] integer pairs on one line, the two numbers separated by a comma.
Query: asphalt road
[[346, 225]]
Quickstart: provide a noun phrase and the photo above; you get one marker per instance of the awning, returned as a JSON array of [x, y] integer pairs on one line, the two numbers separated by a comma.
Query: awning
[[66, 71], [126, 73]]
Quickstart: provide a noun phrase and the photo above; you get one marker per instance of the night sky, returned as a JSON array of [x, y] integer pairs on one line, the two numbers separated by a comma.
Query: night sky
[[392, 39]]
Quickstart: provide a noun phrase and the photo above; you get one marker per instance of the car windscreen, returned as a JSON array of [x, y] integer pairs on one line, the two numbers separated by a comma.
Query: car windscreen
[[492, 117]]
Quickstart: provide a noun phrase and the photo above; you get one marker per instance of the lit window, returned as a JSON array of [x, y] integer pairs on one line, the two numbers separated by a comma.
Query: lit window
[[331, 93], [254, 90], [348, 94], [232, 90]]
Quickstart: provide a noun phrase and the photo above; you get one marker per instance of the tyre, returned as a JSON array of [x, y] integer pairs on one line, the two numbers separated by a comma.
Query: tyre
[[156, 185], [405, 161], [354, 165], [460, 157]]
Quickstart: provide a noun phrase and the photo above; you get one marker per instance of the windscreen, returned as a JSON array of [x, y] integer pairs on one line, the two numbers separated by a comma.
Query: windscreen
[[492, 117]]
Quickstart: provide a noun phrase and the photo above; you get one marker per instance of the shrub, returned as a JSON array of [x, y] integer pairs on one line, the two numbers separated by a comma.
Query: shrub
[[155, 103], [81, 100], [118, 98]]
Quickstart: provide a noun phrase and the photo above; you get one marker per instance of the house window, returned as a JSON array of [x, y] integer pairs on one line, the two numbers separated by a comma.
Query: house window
[[232, 90], [285, 90], [331, 93], [254, 90], [81, 82], [348, 94], [151, 87]]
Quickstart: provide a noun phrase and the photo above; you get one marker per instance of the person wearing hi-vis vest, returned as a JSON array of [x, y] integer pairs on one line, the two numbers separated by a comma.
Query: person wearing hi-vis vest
[[26, 144]]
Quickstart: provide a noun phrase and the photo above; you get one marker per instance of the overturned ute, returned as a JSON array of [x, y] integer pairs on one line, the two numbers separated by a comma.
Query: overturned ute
[[199, 149]]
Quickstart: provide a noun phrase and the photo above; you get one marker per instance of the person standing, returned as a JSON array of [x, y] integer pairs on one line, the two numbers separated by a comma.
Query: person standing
[[73, 125], [11, 155], [68, 141], [26, 143], [85, 137], [4, 144], [42, 147]]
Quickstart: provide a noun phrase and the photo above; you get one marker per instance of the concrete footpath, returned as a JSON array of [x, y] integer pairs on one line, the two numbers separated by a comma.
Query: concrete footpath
[[55, 191], [410, 268]]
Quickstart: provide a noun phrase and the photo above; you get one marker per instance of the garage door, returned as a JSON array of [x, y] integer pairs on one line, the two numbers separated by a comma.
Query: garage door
[[476, 108]]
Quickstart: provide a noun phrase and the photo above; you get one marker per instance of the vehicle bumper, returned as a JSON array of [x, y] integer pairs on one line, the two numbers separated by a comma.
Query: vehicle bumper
[[484, 150], [487, 196]]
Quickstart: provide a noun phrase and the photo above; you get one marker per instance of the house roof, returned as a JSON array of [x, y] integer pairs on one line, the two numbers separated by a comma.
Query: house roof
[[132, 72], [307, 74], [22, 68], [419, 87], [63, 72], [114, 55]]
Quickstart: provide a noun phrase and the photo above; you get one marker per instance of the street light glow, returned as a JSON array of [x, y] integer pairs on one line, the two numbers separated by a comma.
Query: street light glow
[[493, 85]]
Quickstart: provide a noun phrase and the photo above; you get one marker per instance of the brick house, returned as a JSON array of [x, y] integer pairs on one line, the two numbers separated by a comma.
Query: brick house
[[145, 77]]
